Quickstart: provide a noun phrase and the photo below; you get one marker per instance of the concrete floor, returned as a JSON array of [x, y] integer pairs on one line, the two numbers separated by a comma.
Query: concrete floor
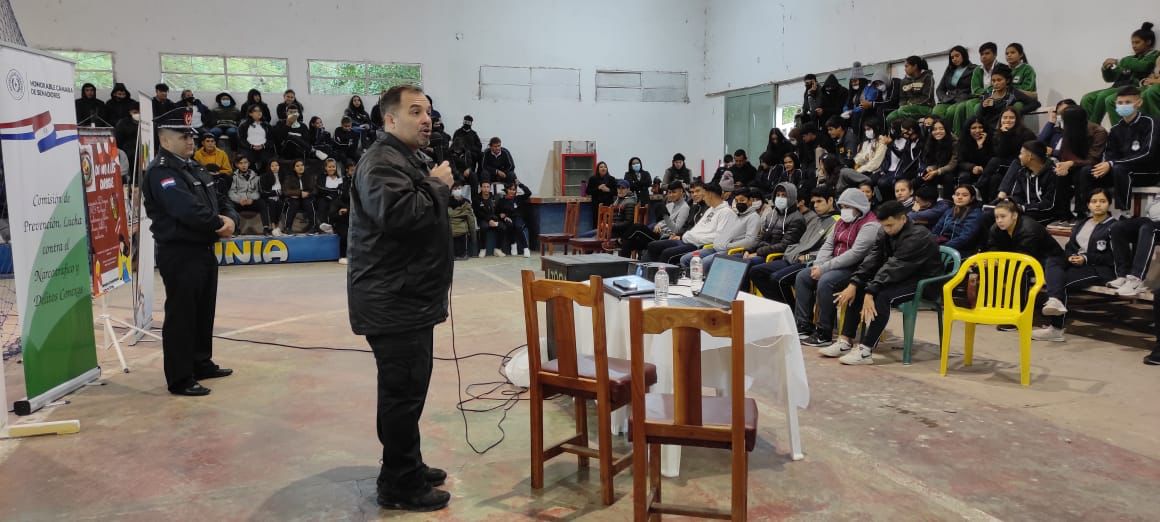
[[291, 435]]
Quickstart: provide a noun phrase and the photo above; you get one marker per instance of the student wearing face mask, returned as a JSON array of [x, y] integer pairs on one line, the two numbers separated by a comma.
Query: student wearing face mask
[[639, 180], [863, 106], [226, 117], [775, 279], [741, 232], [872, 151], [782, 229], [463, 227], [902, 156], [1131, 157], [845, 248], [1129, 70]]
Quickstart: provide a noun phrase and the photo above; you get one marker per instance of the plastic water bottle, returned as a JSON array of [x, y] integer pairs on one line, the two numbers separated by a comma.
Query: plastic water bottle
[[695, 269], [661, 292]]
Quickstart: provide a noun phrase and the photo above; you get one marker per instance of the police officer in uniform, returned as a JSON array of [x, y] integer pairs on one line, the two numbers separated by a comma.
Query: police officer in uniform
[[189, 216]]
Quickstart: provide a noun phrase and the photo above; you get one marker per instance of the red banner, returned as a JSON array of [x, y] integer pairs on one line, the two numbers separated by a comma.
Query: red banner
[[105, 198]]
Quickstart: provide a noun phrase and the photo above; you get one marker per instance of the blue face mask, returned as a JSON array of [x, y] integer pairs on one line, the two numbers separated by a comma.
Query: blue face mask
[[1125, 110], [636, 167], [226, 102]]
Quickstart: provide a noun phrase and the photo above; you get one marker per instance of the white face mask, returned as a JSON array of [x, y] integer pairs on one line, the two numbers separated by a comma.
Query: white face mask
[[848, 215], [780, 203], [756, 205], [869, 134]]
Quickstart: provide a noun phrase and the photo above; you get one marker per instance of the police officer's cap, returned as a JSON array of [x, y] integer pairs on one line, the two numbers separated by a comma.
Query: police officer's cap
[[179, 119]]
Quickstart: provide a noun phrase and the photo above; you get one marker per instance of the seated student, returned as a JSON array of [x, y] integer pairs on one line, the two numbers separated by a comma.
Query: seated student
[[1034, 186], [917, 96], [1089, 262], [1129, 70], [360, 121], [289, 101], [1131, 157], [776, 149], [271, 185], [321, 143], [830, 100], [872, 151], [639, 180], [226, 117], [811, 145], [740, 233], [488, 221], [775, 279], [954, 89], [463, 227], [1133, 242], [960, 227], [845, 248], [298, 189], [975, 151], [291, 136], [980, 85], [1001, 95], [902, 255], [904, 193], [346, 141], [940, 159], [255, 138], [623, 209], [743, 171], [782, 229], [880, 98], [1150, 92], [1022, 74], [246, 193], [837, 176], [845, 142], [928, 209], [1074, 143], [726, 164], [902, 156], [254, 99], [999, 176], [867, 187], [718, 216], [330, 193], [671, 219], [678, 172], [766, 174], [1014, 232], [497, 165], [217, 162], [510, 211]]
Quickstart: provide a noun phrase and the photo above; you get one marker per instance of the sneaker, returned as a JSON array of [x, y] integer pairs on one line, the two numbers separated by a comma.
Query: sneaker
[[515, 250], [266, 232], [1006, 328], [1131, 287], [326, 227], [818, 341], [499, 253], [342, 261], [840, 347], [277, 232], [1054, 307], [528, 253], [1047, 333], [1117, 282], [1153, 359], [482, 255], [862, 355], [429, 499]]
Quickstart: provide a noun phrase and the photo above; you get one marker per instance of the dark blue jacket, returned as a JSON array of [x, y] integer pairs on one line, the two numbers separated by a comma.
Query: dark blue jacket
[[961, 234]]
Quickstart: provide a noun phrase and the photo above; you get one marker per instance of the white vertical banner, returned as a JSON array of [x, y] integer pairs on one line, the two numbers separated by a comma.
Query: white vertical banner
[[143, 255], [46, 206]]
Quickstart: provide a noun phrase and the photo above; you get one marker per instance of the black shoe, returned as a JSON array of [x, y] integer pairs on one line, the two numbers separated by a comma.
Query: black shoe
[[818, 340], [193, 390], [1153, 359], [435, 477], [429, 499], [1006, 328], [214, 373]]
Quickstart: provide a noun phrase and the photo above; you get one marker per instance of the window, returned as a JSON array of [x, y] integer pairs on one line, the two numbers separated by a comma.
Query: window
[[529, 84], [364, 78], [95, 67], [224, 73], [642, 86]]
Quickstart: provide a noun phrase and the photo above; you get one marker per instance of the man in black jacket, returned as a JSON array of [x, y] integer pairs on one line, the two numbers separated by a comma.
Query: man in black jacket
[[497, 165], [1035, 183], [845, 142], [398, 279], [189, 216], [744, 173], [904, 254]]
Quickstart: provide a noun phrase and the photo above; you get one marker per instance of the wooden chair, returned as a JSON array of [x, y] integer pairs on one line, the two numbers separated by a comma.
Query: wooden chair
[[548, 242], [588, 245], [685, 417], [605, 379], [640, 215]]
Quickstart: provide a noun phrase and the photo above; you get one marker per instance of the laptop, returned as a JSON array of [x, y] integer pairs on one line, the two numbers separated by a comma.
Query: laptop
[[720, 288]]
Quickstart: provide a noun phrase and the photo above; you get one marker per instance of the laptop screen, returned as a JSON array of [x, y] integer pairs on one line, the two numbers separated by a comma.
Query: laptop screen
[[724, 279]]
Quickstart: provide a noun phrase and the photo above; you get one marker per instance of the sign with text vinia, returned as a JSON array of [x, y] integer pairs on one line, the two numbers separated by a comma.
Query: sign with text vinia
[[46, 203]]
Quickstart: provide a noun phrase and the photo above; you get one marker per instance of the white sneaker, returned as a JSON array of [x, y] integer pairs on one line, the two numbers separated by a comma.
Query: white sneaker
[[499, 253], [528, 252], [862, 355], [277, 232], [342, 260], [1047, 333], [1117, 282], [515, 250], [1054, 307], [482, 254], [1131, 287], [326, 227], [836, 349]]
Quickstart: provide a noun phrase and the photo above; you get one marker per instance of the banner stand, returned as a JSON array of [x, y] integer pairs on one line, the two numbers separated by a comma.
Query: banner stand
[[26, 406], [111, 334]]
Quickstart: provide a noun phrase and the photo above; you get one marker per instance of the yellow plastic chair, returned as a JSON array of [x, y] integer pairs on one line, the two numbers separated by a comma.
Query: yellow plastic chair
[[1001, 279], [736, 251]]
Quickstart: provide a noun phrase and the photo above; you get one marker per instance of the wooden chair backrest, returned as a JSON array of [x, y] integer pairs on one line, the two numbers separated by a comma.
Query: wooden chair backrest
[[687, 324], [640, 215], [572, 218], [561, 297], [604, 223]]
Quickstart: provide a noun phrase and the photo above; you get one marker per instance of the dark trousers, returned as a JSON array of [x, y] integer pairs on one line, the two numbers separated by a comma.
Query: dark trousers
[[1061, 275], [341, 224], [306, 207], [323, 206], [190, 275], [823, 290], [1132, 244], [636, 238], [513, 232], [259, 159], [489, 235], [945, 180], [404, 361], [259, 206], [1119, 179], [669, 250], [883, 300], [776, 279]]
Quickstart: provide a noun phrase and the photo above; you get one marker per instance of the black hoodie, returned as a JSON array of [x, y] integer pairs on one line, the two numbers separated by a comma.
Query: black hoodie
[[226, 116], [358, 115], [832, 99], [117, 109], [90, 107], [245, 109]]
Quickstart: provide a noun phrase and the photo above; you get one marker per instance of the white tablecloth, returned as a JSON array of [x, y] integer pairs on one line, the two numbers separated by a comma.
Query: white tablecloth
[[773, 353]]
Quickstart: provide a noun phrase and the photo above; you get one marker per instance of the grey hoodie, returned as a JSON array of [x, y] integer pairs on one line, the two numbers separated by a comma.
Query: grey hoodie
[[785, 228], [741, 233]]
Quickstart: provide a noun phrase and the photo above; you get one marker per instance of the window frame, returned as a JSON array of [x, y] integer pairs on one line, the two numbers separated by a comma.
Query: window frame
[[642, 89], [112, 65], [531, 84], [225, 58], [366, 78]]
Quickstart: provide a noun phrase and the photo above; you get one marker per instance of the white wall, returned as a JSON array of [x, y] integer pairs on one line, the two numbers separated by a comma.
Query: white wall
[[636, 35], [749, 42]]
